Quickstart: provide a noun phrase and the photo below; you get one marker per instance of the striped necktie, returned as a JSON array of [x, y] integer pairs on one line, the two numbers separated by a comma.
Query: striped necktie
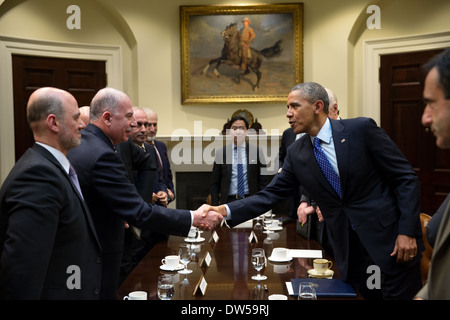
[[240, 170]]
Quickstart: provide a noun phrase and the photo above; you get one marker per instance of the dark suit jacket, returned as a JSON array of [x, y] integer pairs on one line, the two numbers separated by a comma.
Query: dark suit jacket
[[141, 169], [221, 173], [381, 196], [45, 227], [112, 198], [167, 172], [158, 180], [287, 139]]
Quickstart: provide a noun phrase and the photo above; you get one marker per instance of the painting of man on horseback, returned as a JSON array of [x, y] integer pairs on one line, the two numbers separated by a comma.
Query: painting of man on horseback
[[237, 50], [259, 53]]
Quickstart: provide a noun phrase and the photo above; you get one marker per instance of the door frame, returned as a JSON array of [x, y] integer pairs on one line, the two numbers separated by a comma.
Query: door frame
[[112, 55], [373, 49]]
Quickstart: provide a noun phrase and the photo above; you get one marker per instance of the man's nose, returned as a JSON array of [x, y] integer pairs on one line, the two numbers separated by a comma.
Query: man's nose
[[427, 118]]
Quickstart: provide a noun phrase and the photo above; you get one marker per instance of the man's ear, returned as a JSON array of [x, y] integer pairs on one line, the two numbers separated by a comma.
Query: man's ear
[[319, 106], [53, 123], [106, 117]]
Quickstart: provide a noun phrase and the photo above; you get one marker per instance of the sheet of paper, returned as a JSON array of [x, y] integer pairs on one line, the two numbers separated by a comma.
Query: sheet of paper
[[304, 253], [289, 288]]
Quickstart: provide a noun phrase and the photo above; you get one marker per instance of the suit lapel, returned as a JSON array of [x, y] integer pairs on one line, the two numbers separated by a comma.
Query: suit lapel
[[443, 230], [45, 153]]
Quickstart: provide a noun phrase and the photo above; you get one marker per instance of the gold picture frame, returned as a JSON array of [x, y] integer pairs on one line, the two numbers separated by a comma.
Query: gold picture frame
[[210, 37]]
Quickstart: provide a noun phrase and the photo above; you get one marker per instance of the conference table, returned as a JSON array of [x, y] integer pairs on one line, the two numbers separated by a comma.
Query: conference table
[[221, 266]]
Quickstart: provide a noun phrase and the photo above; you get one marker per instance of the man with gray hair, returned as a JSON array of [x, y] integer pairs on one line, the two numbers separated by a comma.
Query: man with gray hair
[[367, 191], [111, 197], [161, 152]]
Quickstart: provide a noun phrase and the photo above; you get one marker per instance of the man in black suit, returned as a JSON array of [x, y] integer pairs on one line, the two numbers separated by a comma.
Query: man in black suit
[[110, 195], [48, 243], [224, 178], [139, 242], [161, 153], [371, 206]]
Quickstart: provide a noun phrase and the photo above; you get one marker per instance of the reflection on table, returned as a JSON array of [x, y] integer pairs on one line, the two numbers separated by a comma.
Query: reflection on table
[[228, 276]]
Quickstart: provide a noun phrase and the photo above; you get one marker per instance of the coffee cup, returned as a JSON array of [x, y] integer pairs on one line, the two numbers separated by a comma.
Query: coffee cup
[[279, 254], [136, 295], [171, 261], [322, 265]]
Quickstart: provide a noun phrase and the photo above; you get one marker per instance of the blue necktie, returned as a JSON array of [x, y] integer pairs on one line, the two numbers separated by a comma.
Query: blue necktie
[[240, 170], [326, 167]]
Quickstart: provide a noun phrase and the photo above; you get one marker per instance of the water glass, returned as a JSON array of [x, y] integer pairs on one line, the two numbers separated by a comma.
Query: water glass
[[165, 287], [258, 262], [185, 253], [307, 291]]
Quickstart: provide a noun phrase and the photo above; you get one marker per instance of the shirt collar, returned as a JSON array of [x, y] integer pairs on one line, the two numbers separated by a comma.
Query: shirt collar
[[60, 157], [325, 133]]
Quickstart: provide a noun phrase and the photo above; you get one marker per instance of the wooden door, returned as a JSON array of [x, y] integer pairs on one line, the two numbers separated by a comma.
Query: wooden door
[[82, 78], [402, 80]]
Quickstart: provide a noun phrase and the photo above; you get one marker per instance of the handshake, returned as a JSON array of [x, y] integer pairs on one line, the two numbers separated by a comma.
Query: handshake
[[208, 217]]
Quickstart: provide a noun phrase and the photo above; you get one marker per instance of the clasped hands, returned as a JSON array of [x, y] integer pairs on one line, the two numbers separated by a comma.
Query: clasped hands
[[208, 217]]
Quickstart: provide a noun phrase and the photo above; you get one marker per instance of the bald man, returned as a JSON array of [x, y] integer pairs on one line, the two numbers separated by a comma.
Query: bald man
[[84, 114], [110, 195], [48, 244]]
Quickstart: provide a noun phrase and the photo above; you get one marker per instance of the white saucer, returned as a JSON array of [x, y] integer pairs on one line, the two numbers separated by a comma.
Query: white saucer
[[274, 228], [280, 260], [199, 239], [313, 273], [166, 268]]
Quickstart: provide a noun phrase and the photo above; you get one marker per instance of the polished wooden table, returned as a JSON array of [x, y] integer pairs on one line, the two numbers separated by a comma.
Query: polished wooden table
[[228, 276]]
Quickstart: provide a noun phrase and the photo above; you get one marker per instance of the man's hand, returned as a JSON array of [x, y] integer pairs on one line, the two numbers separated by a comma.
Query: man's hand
[[219, 209], [303, 211], [205, 218], [405, 248], [162, 198]]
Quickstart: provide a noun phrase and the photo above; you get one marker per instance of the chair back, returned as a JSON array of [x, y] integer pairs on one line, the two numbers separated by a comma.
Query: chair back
[[426, 255]]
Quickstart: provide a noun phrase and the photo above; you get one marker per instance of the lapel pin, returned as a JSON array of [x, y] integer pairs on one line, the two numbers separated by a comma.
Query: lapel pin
[[343, 140]]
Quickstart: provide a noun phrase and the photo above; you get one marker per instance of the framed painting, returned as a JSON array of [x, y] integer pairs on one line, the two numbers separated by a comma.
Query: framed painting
[[235, 54]]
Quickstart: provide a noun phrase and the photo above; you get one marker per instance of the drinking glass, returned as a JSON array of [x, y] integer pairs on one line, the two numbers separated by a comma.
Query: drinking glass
[[185, 254], [267, 223], [307, 291], [165, 287], [258, 262], [259, 292]]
